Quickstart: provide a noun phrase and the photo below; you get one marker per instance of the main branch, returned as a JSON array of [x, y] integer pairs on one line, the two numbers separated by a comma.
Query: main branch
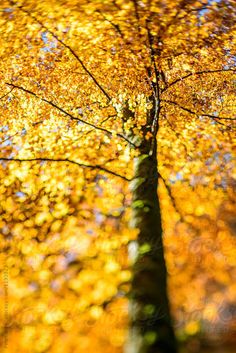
[[68, 114], [89, 166]]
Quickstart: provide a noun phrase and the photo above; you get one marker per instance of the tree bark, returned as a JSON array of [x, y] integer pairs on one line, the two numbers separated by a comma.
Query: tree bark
[[151, 330]]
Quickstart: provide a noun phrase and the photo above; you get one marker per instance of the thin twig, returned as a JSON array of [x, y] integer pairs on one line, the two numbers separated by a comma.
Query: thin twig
[[196, 73], [200, 114], [8, 138], [69, 48], [168, 189], [6, 94]]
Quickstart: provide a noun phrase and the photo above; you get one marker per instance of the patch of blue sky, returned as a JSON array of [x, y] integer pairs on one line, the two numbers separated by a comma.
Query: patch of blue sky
[[4, 128], [196, 180], [213, 122], [42, 163], [11, 155], [227, 157], [20, 194], [203, 12], [49, 45], [6, 143], [224, 183], [177, 177], [44, 37], [89, 231], [216, 156], [80, 123], [99, 217], [70, 256], [8, 10], [46, 49], [23, 132]]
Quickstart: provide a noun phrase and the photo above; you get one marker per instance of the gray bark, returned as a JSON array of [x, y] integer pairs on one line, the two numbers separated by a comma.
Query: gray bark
[[151, 329]]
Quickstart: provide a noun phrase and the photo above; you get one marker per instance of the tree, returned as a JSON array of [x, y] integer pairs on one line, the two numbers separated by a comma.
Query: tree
[[105, 76]]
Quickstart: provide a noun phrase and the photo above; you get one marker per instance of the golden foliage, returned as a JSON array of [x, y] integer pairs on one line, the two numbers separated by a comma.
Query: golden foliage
[[68, 68]]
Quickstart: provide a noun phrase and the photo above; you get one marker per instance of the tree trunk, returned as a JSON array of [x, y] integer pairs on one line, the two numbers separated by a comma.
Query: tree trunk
[[151, 329]]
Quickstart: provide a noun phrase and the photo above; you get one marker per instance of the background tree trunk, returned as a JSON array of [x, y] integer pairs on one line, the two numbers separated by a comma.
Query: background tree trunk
[[151, 329]]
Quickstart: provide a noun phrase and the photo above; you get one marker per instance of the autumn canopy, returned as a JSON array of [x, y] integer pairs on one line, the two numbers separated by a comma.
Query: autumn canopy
[[104, 102]]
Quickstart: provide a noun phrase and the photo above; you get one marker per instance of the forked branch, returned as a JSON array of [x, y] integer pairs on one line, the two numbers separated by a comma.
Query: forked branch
[[67, 113]]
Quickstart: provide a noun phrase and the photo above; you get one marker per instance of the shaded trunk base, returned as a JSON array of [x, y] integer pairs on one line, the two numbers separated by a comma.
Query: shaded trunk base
[[151, 328]]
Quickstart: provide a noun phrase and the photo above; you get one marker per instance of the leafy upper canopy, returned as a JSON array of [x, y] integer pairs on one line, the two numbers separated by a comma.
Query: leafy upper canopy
[[77, 81]]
